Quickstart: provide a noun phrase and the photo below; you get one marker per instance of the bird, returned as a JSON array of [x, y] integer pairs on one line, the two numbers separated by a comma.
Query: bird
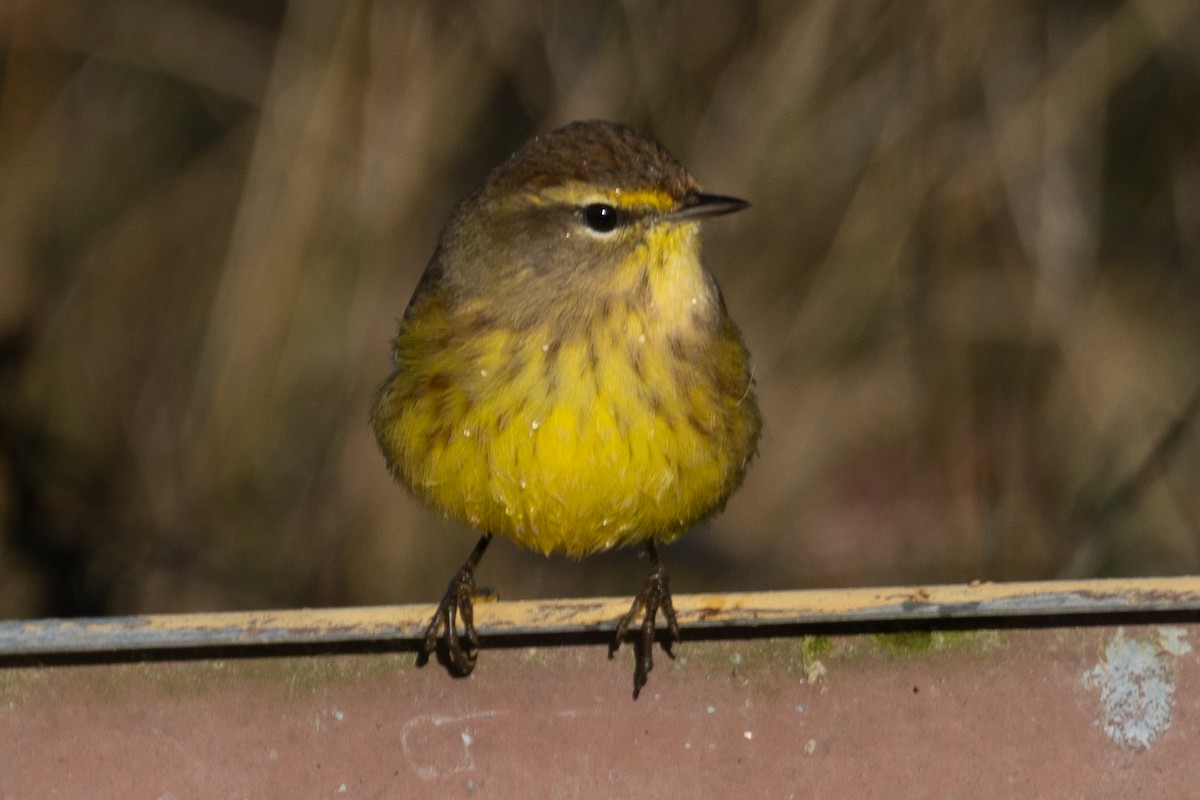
[[566, 374]]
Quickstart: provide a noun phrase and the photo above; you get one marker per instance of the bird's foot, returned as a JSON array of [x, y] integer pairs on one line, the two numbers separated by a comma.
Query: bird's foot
[[655, 596], [458, 603]]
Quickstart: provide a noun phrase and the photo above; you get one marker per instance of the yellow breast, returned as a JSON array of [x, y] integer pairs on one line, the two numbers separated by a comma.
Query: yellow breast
[[634, 429]]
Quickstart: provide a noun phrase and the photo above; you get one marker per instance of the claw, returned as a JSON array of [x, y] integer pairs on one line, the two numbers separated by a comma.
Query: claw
[[458, 603], [655, 596]]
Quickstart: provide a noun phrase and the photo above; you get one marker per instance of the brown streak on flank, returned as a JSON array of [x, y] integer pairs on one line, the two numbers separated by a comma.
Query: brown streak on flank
[[551, 351], [438, 382], [511, 362], [704, 430], [480, 322], [658, 405], [398, 397], [510, 370], [551, 386], [732, 384], [438, 409], [550, 362], [675, 342], [438, 436], [438, 402], [685, 378], [635, 361]]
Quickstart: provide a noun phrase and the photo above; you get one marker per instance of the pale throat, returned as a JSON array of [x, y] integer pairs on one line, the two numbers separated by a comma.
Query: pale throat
[[680, 296]]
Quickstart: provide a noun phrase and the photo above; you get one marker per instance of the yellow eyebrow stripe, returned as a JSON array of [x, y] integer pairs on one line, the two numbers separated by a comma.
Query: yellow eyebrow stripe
[[581, 194]]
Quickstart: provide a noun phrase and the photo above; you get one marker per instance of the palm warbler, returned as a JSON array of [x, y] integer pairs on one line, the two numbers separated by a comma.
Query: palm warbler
[[566, 374]]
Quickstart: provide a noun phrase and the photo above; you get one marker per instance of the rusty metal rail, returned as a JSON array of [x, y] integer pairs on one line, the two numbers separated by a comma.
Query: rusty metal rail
[[981, 601]]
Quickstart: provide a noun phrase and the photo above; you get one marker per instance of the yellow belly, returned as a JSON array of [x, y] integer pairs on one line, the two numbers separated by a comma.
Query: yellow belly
[[569, 445]]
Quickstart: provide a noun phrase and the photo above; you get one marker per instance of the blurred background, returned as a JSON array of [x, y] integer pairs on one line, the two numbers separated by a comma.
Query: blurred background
[[969, 280]]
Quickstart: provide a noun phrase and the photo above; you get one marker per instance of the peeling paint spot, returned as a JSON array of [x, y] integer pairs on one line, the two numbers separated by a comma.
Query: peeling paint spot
[[435, 745], [1137, 687], [1171, 640]]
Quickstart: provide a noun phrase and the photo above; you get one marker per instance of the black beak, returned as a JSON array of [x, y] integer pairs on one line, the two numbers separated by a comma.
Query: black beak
[[696, 205]]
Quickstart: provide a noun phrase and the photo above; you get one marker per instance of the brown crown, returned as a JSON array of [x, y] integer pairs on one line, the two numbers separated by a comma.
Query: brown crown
[[607, 154]]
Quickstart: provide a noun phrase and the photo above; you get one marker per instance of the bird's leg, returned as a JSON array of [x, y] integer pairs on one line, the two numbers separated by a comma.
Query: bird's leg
[[459, 602], [655, 595]]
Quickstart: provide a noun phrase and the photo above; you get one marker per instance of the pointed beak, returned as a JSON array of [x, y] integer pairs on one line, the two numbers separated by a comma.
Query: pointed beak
[[696, 205]]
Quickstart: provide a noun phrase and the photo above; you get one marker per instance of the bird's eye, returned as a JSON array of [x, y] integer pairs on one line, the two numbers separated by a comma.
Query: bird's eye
[[601, 217]]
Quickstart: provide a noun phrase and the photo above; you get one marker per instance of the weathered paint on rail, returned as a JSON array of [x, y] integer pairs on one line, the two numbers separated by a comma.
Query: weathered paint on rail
[[981, 600]]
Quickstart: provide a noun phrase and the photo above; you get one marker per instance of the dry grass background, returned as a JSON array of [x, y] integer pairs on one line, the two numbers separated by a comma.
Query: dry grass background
[[969, 280]]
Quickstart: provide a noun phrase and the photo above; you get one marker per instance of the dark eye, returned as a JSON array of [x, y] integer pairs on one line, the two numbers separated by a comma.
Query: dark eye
[[600, 217]]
